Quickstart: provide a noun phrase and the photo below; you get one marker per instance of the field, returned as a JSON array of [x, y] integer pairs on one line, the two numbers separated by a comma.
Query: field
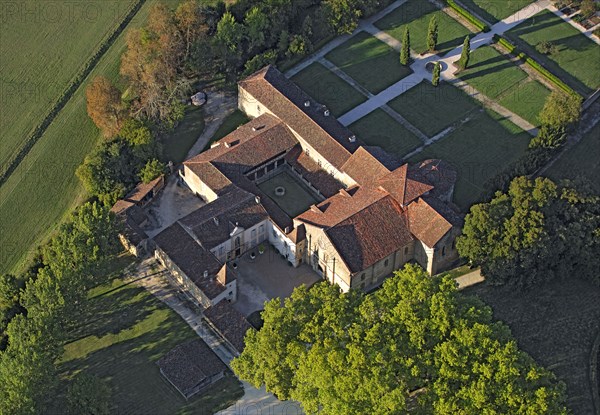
[[380, 129], [122, 332], [577, 61], [556, 324], [328, 89], [491, 73], [526, 100], [177, 144], [44, 188], [43, 46], [361, 54], [582, 160], [478, 149], [432, 109], [417, 13], [495, 10], [296, 199]]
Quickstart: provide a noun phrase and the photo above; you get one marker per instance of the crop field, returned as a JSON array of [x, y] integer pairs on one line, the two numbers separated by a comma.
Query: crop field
[[328, 89], [479, 149], [43, 188], [432, 109], [361, 55], [417, 13], [123, 331], [526, 100], [580, 161], [577, 59], [556, 324], [43, 45], [495, 10], [491, 73], [380, 129]]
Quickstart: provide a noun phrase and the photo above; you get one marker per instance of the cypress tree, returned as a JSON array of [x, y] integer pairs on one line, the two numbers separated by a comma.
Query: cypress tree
[[432, 34], [405, 51], [435, 80], [463, 62]]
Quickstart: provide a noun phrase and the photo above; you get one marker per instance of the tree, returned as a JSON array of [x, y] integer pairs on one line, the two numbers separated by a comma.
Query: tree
[[437, 68], [104, 105], [342, 15], [432, 34], [88, 395], [256, 23], [342, 353], [535, 232], [549, 137], [152, 170], [259, 61], [465, 54], [561, 110], [191, 24], [588, 8], [230, 33], [405, 51]]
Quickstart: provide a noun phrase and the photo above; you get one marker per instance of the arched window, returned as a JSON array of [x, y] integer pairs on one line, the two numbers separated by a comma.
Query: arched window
[[444, 251]]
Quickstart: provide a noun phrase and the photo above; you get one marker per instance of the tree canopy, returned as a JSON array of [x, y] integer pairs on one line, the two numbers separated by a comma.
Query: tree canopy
[[534, 232], [415, 343], [104, 105]]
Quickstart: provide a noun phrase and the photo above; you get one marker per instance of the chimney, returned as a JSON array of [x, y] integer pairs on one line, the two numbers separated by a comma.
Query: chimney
[[254, 129], [307, 104], [326, 112], [257, 199], [287, 230], [215, 144], [216, 221], [352, 138], [205, 274]]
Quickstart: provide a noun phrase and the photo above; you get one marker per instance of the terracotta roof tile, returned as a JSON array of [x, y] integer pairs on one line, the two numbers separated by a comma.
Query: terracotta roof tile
[[430, 220], [229, 322], [405, 185], [364, 168]]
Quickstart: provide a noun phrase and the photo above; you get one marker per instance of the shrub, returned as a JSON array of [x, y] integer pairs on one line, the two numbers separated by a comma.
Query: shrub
[[546, 47], [468, 16]]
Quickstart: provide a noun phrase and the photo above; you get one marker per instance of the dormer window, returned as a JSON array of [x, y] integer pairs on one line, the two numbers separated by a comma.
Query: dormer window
[[307, 104]]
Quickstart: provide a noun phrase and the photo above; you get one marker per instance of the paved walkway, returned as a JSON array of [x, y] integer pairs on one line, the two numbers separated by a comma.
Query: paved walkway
[[586, 32], [470, 279], [420, 72], [255, 401]]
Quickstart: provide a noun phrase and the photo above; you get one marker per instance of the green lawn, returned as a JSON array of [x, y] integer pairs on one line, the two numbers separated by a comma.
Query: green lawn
[[580, 161], [122, 331], [491, 73], [577, 61], [526, 100], [177, 144], [379, 129], [230, 123], [432, 109], [417, 14], [328, 89], [296, 199], [495, 10], [479, 149], [363, 53], [43, 188], [41, 54]]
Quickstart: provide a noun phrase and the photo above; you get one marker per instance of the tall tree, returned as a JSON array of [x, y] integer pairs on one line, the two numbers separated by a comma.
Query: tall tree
[[104, 105], [191, 24], [257, 24], [437, 69], [465, 54], [561, 110], [342, 353], [342, 15], [432, 34], [405, 51]]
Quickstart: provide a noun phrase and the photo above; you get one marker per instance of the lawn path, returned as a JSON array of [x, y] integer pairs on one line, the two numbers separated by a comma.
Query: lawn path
[[156, 283], [420, 72]]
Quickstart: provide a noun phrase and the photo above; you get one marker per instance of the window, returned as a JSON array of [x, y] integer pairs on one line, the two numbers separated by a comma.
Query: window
[[261, 229], [274, 234], [362, 277], [386, 262], [221, 250], [253, 233], [406, 251], [443, 251]]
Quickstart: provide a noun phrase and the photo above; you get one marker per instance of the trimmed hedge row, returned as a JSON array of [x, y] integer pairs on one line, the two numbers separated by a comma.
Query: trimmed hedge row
[[475, 21], [90, 64], [511, 48]]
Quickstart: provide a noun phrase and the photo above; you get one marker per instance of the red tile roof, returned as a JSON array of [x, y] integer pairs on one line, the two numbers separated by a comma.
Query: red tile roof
[[404, 185], [287, 102], [229, 322], [430, 220], [364, 168]]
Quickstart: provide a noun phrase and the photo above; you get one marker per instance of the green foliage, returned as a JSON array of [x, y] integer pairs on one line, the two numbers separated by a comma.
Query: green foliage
[[535, 232], [88, 395], [465, 54], [435, 79], [299, 46], [342, 15], [561, 110], [549, 136], [468, 16], [415, 343], [432, 34], [546, 47], [152, 170], [260, 61], [405, 51], [230, 33], [257, 24]]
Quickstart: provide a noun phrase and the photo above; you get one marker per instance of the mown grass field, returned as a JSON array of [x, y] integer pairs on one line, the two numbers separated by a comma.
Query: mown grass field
[[380, 129], [491, 73], [495, 10], [556, 324], [526, 100], [479, 149], [432, 109], [361, 55], [577, 61], [417, 14], [582, 160], [122, 331], [43, 45], [43, 188], [328, 89]]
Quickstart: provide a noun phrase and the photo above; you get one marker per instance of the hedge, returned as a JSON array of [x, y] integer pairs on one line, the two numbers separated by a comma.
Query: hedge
[[511, 48], [467, 15]]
